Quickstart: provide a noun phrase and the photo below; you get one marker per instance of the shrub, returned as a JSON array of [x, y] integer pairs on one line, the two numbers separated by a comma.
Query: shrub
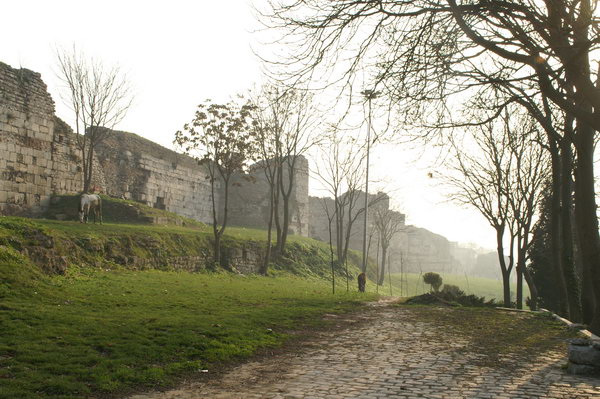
[[452, 290], [433, 279]]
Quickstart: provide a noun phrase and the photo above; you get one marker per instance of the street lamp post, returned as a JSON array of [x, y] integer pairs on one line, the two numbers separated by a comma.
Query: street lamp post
[[369, 96]]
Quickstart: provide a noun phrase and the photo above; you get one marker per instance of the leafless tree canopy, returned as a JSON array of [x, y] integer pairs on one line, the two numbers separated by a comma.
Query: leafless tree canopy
[[426, 51], [434, 57], [503, 181], [287, 128], [387, 223], [99, 97]]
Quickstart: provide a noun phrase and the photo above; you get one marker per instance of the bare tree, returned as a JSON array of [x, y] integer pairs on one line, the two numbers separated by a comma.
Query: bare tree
[[295, 116], [341, 173], [220, 137], [501, 173], [268, 140], [99, 97], [284, 120], [524, 190], [330, 216], [387, 224], [421, 53]]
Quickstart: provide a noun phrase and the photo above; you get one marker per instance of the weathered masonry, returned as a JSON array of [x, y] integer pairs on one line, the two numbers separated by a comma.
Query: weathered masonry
[[141, 170], [39, 158]]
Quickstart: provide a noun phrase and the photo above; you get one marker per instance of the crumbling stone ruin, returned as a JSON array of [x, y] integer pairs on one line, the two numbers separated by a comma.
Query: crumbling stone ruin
[[39, 158], [584, 356], [143, 171]]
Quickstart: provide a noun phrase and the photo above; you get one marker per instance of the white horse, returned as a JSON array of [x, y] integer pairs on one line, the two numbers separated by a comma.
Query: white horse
[[90, 203]]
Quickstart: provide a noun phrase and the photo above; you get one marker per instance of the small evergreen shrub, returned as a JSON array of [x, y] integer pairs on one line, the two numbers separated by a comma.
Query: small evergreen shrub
[[453, 290], [434, 280], [451, 295]]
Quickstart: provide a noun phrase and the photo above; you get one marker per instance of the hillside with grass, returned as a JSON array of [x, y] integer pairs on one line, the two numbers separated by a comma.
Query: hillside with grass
[[100, 310], [137, 237]]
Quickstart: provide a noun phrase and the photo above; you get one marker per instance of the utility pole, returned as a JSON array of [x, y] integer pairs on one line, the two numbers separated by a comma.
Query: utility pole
[[369, 96]]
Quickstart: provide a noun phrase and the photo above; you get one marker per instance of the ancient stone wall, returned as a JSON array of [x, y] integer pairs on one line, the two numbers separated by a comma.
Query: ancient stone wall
[[320, 207], [139, 169], [38, 156], [422, 251], [249, 202], [412, 249]]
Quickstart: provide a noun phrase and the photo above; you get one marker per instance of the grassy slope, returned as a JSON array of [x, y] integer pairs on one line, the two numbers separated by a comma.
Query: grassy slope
[[114, 245], [69, 336], [91, 331]]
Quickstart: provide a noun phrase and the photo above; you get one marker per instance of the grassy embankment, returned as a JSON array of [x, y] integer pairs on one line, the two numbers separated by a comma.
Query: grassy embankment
[[102, 328]]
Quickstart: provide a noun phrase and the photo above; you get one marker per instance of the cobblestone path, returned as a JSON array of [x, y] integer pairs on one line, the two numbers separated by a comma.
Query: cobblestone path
[[386, 353]]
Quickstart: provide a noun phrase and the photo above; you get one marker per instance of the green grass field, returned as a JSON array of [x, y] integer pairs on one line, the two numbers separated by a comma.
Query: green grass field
[[103, 328], [95, 332]]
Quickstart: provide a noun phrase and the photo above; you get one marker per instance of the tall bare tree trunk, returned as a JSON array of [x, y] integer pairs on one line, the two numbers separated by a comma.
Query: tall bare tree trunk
[[216, 235], [384, 249], [265, 266], [530, 283], [331, 253], [555, 226], [277, 215], [568, 264], [285, 189], [504, 269], [286, 223], [588, 302], [577, 70], [339, 233], [377, 263], [587, 220], [519, 284]]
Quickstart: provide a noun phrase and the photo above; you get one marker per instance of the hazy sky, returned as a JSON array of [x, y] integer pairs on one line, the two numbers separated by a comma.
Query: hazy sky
[[179, 53]]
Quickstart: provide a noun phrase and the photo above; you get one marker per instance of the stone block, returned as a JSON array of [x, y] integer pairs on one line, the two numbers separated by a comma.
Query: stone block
[[582, 369], [45, 200], [587, 355]]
